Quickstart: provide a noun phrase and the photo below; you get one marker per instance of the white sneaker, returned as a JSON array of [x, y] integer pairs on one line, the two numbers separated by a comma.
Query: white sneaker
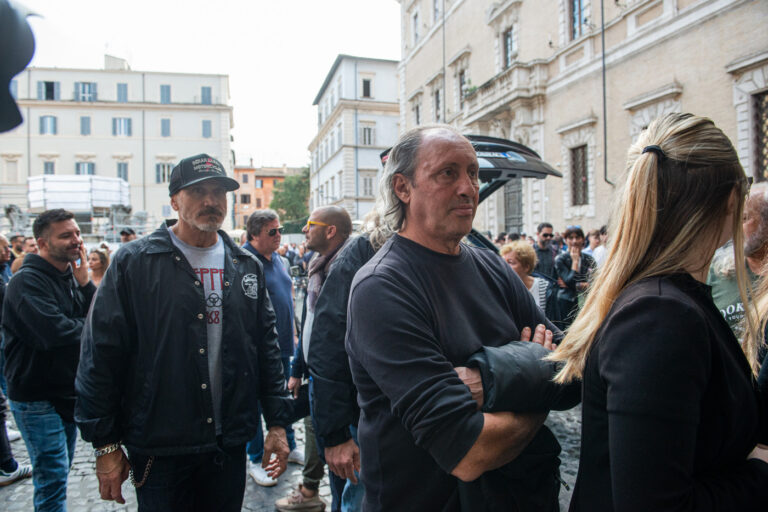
[[22, 471], [259, 475], [296, 456], [13, 435]]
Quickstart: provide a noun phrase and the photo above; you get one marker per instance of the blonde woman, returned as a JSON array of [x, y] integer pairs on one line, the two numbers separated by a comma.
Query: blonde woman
[[98, 261], [521, 257], [671, 417]]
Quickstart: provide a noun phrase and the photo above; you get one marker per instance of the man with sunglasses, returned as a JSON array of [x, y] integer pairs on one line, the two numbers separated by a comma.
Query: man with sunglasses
[[264, 236], [545, 253], [179, 339]]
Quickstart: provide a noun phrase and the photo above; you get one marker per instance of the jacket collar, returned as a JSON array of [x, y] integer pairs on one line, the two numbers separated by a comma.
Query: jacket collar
[[159, 241]]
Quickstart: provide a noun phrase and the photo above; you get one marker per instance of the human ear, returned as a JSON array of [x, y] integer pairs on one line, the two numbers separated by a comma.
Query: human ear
[[402, 187]]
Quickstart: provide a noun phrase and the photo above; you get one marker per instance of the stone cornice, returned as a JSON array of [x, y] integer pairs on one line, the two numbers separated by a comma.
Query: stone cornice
[[744, 63], [577, 124], [113, 105], [667, 91]]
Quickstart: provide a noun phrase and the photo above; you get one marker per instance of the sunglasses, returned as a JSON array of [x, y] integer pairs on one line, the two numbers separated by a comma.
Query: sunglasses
[[547, 235], [274, 231], [311, 223]]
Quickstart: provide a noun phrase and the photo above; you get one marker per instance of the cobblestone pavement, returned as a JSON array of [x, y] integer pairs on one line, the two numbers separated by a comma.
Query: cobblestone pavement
[[83, 489]]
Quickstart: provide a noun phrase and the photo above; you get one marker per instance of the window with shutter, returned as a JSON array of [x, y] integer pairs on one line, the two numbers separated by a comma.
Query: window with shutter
[[85, 125], [122, 93]]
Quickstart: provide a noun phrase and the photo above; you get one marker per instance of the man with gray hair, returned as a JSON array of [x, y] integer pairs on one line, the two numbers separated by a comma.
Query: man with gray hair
[[264, 235], [756, 227], [419, 308], [722, 271]]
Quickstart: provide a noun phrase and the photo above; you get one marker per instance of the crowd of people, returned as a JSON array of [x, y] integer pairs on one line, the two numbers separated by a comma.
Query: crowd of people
[[422, 368]]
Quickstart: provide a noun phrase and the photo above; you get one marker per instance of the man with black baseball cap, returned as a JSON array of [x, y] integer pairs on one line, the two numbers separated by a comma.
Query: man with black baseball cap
[[167, 374]]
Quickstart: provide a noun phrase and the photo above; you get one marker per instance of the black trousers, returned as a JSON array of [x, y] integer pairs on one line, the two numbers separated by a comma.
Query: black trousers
[[201, 482]]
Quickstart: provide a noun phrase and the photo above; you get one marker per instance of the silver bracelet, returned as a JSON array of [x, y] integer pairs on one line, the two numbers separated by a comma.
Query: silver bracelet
[[106, 449]]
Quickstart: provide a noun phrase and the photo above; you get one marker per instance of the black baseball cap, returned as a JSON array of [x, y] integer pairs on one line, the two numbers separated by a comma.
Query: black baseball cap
[[195, 169], [127, 232]]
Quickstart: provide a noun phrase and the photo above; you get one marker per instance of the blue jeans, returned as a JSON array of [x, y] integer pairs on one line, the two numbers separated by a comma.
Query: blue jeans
[[352, 496], [51, 445], [189, 483], [336, 483], [255, 447]]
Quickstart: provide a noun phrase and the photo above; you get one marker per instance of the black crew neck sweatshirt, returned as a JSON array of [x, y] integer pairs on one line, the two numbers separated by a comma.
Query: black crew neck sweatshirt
[[415, 314]]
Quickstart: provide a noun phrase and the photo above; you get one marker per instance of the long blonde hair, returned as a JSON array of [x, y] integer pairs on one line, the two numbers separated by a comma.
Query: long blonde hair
[[755, 336], [670, 205]]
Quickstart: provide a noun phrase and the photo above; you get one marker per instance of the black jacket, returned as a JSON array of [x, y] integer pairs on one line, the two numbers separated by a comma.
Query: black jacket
[[587, 264], [43, 317], [144, 364], [334, 394]]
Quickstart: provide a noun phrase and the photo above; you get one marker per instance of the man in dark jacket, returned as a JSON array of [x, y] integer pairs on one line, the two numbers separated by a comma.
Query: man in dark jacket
[[43, 313], [178, 348], [326, 231], [545, 253]]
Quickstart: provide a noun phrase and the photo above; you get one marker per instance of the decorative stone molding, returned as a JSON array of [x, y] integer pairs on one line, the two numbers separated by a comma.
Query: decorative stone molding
[[642, 117], [11, 156], [590, 120], [122, 157], [85, 157], [578, 133], [670, 90], [648, 106], [750, 77]]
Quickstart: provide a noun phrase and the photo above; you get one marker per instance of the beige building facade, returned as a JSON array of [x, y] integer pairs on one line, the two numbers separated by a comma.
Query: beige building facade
[[117, 123], [357, 119], [532, 71]]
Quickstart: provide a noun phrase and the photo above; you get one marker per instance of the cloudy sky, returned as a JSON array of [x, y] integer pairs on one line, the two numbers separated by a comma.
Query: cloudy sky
[[276, 53]]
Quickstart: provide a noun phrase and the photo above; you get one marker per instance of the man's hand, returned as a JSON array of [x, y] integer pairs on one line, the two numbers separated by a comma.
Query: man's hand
[[760, 452], [294, 384], [112, 470], [561, 283], [542, 336], [275, 444], [472, 379], [344, 459], [81, 271]]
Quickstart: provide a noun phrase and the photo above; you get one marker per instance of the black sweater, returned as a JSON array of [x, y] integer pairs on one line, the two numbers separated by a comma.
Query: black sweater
[[414, 315], [670, 410], [42, 319]]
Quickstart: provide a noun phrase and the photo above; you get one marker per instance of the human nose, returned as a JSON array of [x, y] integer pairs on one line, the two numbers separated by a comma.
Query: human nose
[[467, 185]]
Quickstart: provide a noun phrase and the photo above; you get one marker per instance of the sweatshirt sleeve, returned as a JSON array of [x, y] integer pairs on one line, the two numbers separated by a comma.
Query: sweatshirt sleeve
[[390, 336], [656, 371], [38, 307]]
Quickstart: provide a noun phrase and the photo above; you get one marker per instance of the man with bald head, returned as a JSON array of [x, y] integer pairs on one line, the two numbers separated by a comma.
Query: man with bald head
[[326, 231], [420, 307]]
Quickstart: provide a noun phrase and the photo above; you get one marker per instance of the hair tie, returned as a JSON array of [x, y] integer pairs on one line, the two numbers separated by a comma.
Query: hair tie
[[655, 149]]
